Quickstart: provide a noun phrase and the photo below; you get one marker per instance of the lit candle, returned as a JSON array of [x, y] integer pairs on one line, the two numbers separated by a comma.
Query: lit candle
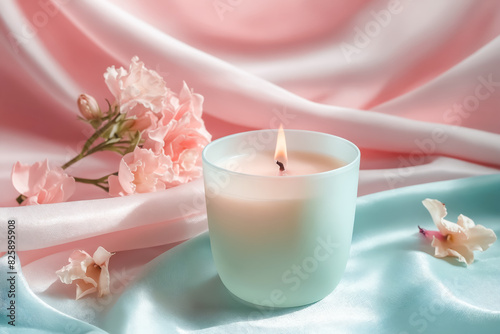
[[261, 162], [280, 221]]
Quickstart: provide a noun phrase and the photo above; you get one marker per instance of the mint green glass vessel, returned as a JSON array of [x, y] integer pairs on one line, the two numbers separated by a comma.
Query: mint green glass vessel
[[280, 241]]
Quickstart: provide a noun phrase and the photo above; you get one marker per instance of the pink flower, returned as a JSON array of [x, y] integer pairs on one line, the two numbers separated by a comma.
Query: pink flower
[[141, 93], [42, 184], [182, 138], [460, 239], [171, 126], [90, 273], [140, 171], [88, 107]]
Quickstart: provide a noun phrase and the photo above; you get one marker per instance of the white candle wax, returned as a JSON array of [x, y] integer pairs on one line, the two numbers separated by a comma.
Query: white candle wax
[[280, 240], [261, 163]]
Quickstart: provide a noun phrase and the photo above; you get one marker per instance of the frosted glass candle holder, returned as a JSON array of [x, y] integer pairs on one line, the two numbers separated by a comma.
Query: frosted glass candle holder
[[280, 240]]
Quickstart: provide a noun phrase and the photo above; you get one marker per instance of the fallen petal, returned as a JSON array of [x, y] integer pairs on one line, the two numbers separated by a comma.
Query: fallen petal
[[460, 239]]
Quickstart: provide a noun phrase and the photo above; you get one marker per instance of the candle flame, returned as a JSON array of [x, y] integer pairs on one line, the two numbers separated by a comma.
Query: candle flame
[[280, 153]]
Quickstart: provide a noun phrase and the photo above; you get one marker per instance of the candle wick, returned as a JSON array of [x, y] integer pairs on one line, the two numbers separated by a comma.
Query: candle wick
[[282, 167]]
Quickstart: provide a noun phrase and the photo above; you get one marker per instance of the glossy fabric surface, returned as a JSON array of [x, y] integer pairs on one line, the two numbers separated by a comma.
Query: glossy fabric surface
[[414, 84], [392, 283]]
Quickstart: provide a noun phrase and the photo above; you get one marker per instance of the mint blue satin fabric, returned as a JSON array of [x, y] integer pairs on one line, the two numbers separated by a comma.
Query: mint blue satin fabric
[[392, 283]]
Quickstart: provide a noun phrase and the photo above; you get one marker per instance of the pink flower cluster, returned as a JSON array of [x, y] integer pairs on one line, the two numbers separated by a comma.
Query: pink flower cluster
[[164, 133], [174, 133]]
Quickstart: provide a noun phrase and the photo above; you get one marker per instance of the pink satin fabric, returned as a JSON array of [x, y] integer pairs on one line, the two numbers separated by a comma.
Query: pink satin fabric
[[415, 84]]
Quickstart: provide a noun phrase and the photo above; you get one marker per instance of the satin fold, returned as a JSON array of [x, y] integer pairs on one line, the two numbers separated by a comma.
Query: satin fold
[[414, 84]]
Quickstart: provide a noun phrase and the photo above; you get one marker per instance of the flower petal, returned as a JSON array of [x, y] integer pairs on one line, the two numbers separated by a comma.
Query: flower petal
[[115, 187], [76, 269], [42, 184], [438, 212], [480, 238], [104, 278], [91, 274], [463, 253], [85, 287], [441, 247], [460, 239], [101, 256], [20, 176], [29, 180], [465, 222]]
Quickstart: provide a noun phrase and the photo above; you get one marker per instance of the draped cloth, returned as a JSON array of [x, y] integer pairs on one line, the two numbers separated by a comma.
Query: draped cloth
[[414, 84]]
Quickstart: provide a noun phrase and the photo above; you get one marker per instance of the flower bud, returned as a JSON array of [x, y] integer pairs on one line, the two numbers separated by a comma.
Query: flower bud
[[88, 107]]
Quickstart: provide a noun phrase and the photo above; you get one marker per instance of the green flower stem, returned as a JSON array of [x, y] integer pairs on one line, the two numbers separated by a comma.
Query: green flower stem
[[100, 182], [99, 132], [85, 150], [72, 161], [105, 145], [112, 142]]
